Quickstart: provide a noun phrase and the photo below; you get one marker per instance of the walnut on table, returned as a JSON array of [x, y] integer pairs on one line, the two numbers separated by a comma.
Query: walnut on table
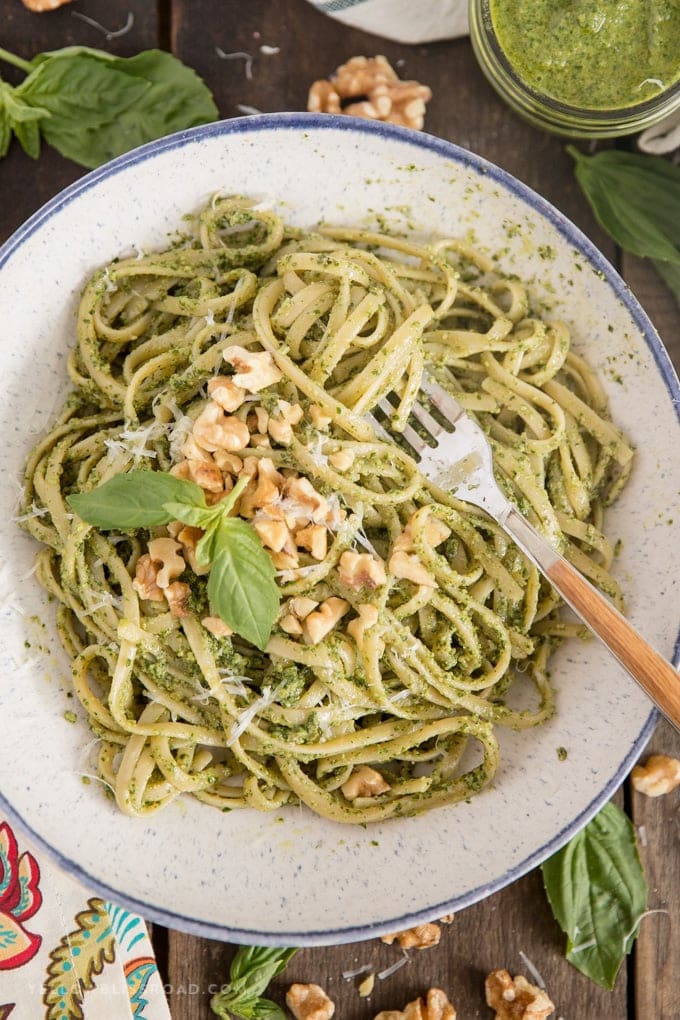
[[435, 1006], [370, 87], [309, 1002], [423, 936], [39, 6], [660, 774], [516, 999]]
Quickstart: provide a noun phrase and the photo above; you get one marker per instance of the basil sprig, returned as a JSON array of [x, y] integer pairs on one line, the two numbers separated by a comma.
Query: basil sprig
[[92, 106], [598, 893], [251, 970], [241, 585], [636, 199]]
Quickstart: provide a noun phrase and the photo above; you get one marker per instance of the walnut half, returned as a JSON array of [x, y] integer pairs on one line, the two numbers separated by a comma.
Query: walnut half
[[435, 1006], [516, 999], [370, 87]]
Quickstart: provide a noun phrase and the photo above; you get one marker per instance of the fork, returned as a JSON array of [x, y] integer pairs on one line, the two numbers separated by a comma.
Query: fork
[[461, 463]]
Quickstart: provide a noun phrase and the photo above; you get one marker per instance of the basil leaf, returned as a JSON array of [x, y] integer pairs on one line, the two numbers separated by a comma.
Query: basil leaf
[[251, 971], [101, 106], [196, 516], [18, 116], [241, 585], [205, 548], [134, 500], [636, 199], [598, 894]]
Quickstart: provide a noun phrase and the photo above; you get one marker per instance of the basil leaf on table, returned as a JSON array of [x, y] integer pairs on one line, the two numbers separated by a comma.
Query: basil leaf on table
[[251, 971], [598, 894], [636, 199], [241, 585], [18, 117], [134, 500], [93, 106]]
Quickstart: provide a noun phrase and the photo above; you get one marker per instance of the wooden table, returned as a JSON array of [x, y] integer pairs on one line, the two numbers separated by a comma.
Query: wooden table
[[463, 109]]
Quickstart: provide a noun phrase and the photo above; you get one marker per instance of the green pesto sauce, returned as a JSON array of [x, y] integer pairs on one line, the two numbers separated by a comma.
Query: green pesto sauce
[[597, 55]]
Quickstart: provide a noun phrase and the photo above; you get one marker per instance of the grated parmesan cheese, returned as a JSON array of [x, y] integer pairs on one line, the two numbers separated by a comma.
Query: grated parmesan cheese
[[349, 974], [533, 970], [107, 32], [238, 55], [389, 971]]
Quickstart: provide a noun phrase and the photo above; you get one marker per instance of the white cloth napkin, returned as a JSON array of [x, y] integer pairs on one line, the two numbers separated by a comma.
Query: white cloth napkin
[[406, 21], [64, 953]]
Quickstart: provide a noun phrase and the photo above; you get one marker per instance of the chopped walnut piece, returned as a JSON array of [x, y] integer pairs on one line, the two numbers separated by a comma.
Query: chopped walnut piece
[[273, 534], [291, 625], [39, 6], [320, 418], [516, 1000], [341, 460], [309, 1002], [230, 463], [301, 606], [435, 1006], [423, 936], [216, 626], [377, 91], [144, 581], [226, 393], [447, 918], [189, 537], [192, 451], [281, 423], [409, 567], [213, 430], [319, 623], [434, 533], [207, 476], [315, 538], [178, 594], [310, 502], [364, 782], [360, 570], [285, 561], [165, 552], [660, 774], [255, 370]]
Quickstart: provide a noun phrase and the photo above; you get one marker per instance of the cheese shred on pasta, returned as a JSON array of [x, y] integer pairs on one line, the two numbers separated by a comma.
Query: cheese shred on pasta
[[411, 627]]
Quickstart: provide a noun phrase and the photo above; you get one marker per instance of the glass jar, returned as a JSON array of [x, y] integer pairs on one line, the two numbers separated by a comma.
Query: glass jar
[[524, 51]]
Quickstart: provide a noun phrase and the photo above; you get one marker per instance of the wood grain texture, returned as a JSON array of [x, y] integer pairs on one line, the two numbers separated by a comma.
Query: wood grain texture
[[657, 952], [464, 109]]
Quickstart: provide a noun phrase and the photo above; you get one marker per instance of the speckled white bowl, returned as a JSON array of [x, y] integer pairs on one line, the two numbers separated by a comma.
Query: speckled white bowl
[[291, 878]]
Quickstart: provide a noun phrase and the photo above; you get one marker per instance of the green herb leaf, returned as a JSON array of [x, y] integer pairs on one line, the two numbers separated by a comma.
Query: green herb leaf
[[241, 585], [196, 516], [93, 106], [135, 499], [598, 893], [251, 971], [636, 199], [18, 117]]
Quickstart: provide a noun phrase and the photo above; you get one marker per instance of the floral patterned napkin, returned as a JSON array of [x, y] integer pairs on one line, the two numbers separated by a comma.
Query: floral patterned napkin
[[65, 955]]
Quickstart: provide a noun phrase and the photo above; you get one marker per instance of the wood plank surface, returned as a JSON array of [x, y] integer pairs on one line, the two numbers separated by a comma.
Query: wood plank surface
[[464, 109]]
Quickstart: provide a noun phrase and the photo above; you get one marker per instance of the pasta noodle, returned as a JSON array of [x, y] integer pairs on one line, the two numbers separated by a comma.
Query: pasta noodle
[[410, 625]]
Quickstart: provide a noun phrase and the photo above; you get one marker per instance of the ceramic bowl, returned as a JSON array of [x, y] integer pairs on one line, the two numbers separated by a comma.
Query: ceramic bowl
[[291, 878]]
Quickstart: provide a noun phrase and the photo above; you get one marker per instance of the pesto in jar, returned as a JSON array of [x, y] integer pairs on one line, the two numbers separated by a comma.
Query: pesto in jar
[[599, 55]]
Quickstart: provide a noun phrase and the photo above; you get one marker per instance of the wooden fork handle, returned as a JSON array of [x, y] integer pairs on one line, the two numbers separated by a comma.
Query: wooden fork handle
[[656, 676]]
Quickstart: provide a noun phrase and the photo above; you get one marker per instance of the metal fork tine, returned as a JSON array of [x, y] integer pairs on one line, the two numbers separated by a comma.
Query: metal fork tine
[[409, 434], [441, 399], [427, 421], [380, 432]]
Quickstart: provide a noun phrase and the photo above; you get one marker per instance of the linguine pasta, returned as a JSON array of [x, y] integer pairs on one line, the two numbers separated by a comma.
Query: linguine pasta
[[410, 626]]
